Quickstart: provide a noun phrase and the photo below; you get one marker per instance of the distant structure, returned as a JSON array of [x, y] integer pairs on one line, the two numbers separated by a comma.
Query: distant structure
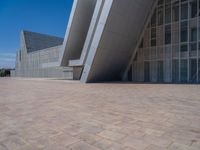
[[5, 72], [119, 40]]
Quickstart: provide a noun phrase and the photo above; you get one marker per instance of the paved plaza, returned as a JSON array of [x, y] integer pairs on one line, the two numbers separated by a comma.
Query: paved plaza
[[42, 114]]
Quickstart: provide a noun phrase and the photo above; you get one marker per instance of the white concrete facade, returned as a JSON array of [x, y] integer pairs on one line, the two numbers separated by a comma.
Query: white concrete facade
[[102, 39]]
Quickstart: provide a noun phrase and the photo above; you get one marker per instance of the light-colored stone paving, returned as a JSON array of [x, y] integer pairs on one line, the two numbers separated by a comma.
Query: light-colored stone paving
[[41, 114]]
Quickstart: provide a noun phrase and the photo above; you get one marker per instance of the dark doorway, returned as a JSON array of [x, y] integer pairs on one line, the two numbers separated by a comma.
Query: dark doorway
[[193, 70], [199, 68], [175, 71], [130, 74], [147, 72], [160, 71], [184, 70]]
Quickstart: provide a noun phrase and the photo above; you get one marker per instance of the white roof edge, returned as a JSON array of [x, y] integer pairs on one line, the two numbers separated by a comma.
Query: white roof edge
[[61, 55]]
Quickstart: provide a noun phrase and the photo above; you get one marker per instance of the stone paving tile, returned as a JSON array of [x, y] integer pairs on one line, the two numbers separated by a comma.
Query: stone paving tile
[[13, 142], [30, 147], [64, 139], [134, 143], [177, 146], [114, 136], [154, 147], [82, 146], [2, 147], [43, 114]]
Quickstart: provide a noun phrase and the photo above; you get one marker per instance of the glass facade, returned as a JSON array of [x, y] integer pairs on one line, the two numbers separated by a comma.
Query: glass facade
[[170, 47]]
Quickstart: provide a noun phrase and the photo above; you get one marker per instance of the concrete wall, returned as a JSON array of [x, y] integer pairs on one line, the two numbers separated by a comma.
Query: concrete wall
[[30, 64], [116, 36], [164, 60], [90, 35], [77, 29]]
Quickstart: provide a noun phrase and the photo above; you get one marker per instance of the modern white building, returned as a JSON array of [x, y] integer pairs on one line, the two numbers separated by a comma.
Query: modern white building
[[119, 40]]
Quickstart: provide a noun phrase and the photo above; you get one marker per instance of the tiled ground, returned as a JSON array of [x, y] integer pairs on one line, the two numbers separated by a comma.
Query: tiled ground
[[41, 114]]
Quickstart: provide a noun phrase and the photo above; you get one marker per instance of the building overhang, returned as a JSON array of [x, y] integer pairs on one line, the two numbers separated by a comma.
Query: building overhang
[[77, 29], [117, 33]]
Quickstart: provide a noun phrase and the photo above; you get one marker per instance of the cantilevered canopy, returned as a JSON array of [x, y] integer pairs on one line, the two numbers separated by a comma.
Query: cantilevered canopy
[[101, 36], [116, 36], [77, 29]]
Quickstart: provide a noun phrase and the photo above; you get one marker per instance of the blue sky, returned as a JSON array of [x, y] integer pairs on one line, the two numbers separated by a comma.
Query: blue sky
[[44, 16]]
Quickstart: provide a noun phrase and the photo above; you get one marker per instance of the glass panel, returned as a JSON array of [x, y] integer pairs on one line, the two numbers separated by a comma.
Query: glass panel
[[168, 34], [175, 33], [168, 52], [184, 48], [193, 46], [146, 53], [160, 2], [193, 49], [193, 8], [160, 16], [160, 53], [167, 1], [169, 46], [153, 19], [199, 28], [199, 49], [184, 31], [167, 14], [175, 71], [153, 53], [199, 8], [184, 11], [193, 34], [146, 72], [167, 70], [184, 70], [141, 44], [160, 71], [153, 33], [175, 51], [153, 36], [130, 74], [193, 70], [199, 70], [175, 11], [153, 71], [153, 42]]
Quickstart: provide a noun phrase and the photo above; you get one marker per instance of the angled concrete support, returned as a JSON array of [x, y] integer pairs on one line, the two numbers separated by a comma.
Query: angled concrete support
[[90, 35], [78, 26], [117, 33]]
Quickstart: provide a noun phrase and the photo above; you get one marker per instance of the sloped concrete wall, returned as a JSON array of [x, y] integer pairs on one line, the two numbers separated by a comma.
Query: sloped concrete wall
[[117, 34], [90, 35], [31, 65], [78, 26]]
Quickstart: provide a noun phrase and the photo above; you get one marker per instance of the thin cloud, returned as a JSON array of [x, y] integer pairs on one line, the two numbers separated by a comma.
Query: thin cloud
[[10, 55], [7, 60]]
